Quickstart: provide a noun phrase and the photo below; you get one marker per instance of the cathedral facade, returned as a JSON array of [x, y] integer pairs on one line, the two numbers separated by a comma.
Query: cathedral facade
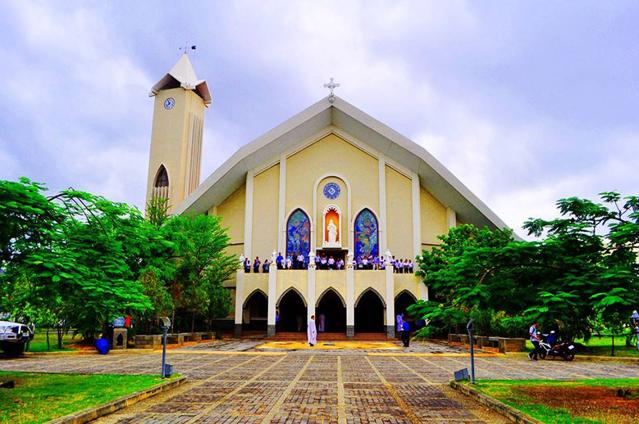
[[339, 204]]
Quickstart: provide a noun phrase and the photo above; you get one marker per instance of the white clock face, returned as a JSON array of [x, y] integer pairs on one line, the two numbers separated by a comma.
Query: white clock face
[[169, 103]]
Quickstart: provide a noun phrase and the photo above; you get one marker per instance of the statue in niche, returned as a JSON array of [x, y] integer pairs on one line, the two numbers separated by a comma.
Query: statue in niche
[[332, 233]]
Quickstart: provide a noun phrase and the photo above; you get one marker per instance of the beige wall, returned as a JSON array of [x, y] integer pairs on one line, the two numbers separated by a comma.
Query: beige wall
[[330, 279], [232, 212], [409, 282], [297, 279], [399, 214], [331, 156], [433, 219], [370, 279], [265, 211]]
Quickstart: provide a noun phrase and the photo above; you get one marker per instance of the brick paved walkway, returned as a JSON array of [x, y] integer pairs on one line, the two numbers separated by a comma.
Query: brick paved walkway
[[303, 387]]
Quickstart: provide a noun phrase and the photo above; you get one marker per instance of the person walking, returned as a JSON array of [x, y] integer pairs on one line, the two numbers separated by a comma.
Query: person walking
[[534, 339], [311, 331], [400, 323], [406, 333]]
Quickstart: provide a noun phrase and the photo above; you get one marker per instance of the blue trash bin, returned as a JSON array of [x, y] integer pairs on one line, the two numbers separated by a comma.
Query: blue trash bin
[[103, 346]]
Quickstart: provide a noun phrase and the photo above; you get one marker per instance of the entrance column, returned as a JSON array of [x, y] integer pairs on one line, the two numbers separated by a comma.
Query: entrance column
[[310, 287], [272, 296], [350, 296], [390, 297], [239, 301]]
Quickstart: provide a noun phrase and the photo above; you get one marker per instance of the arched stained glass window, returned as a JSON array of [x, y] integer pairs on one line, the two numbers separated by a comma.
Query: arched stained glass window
[[366, 234], [298, 234]]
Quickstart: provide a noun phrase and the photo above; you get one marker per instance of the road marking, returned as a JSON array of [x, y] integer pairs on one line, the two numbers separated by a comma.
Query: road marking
[[391, 390], [341, 402], [287, 391]]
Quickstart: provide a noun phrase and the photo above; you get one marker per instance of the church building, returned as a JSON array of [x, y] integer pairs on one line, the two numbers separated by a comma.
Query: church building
[[337, 202]]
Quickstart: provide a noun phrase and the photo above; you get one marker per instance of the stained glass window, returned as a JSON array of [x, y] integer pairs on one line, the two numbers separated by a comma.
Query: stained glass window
[[366, 234], [298, 234]]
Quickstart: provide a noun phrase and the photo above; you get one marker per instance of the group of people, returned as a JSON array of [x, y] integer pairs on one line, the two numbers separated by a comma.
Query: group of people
[[403, 266], [257, 265], [322, 261]]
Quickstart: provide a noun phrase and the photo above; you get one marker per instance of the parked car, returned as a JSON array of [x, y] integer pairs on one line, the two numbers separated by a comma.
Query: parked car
[[14, 337]]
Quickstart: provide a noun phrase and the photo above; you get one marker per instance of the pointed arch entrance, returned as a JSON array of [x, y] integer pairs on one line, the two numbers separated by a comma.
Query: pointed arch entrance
[[291, 312], [255, 311], [332, 307], [369, 312], [402, 301]]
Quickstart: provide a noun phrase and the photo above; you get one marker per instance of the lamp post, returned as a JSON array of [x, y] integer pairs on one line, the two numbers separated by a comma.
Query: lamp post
[[469, 328], [166, 324]]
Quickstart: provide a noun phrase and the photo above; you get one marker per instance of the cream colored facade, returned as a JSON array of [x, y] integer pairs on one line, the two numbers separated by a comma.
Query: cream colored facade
[[329, 146]]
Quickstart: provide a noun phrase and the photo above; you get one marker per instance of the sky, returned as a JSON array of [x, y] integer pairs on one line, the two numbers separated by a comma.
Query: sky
[[525, 102]]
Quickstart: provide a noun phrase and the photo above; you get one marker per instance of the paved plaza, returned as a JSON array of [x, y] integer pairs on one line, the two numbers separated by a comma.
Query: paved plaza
[[312, 387]]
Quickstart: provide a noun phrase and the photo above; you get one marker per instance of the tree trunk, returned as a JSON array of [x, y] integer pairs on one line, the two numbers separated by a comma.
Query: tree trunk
[[48, 343], [60, 338], [173, 319], [193, 322]]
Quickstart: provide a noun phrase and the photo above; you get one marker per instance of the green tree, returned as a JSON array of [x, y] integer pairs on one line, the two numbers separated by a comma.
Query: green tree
[[202, 265], [79, 255], [584, 269]]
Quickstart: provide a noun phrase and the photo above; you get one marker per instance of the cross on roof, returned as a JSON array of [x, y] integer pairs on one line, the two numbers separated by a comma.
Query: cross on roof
[[331, 85]]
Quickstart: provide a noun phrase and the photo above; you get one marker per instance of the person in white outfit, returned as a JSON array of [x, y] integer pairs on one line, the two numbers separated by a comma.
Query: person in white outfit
[[311, 331]]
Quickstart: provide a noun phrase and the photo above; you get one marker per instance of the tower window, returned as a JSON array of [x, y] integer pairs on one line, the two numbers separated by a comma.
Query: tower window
[[162, 178]]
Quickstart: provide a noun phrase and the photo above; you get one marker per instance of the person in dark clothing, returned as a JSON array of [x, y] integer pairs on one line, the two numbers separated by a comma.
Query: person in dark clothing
[[406, 333], [256, 264]]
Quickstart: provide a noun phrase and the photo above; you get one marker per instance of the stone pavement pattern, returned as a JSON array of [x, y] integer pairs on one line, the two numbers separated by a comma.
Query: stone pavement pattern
[[303, 387]]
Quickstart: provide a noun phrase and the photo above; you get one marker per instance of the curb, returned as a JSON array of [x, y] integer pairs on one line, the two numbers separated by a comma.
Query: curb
[[91, 414], [507, 411]]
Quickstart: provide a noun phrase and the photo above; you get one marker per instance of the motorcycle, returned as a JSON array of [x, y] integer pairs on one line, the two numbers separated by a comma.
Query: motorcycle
[[549, 347]]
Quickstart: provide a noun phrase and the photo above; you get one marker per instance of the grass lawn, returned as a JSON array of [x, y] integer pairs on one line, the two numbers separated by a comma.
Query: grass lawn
[[602, 346], [39, 342], [559, 402], [40, 397]]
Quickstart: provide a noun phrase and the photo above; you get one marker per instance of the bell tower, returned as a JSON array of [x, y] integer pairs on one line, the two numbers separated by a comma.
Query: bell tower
[[176, 135]]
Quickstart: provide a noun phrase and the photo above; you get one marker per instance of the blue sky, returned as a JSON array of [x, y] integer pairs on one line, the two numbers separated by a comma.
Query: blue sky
[[526, 102]]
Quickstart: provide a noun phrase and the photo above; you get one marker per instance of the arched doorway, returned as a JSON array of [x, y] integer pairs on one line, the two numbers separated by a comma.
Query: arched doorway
[[369, 313], [403, 301], [255, 312], [332, 306], [292, 312]]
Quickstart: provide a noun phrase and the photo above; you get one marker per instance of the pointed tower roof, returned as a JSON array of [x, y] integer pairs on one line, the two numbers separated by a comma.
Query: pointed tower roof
[[183, 75]]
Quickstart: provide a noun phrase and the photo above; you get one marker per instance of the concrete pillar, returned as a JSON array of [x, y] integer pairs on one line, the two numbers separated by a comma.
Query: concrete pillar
[[310, 287], [239, 301], [390, 297], [417, 224], [350, 296], [383, 235], [281, 216], [248, 216], [423, 291], [272, 296], [451, 218]]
